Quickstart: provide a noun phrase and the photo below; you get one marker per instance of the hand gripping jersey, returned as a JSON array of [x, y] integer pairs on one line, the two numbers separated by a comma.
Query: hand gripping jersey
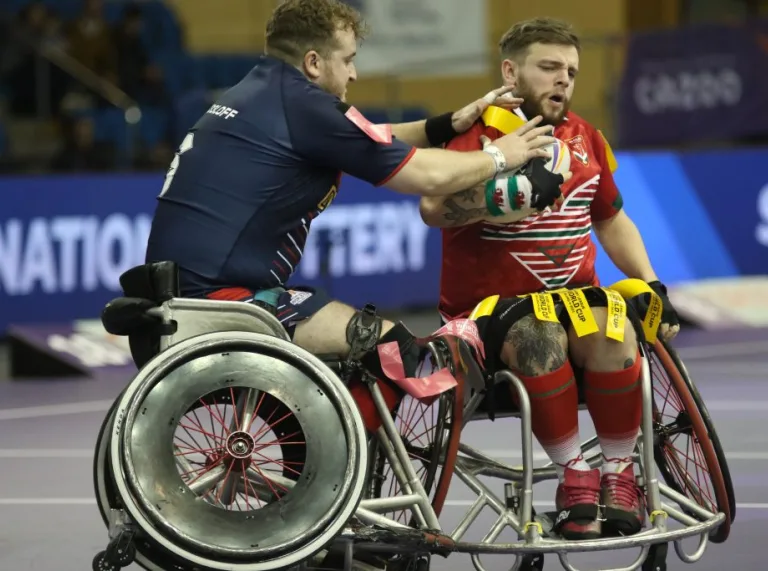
[[543, 251]]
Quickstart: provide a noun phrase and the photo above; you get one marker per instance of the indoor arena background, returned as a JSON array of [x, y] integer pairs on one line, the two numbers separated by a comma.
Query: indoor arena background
[[678, 87]]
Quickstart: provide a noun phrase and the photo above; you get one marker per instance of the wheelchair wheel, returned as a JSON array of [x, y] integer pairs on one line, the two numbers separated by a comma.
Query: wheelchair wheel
[[427, 431], [697, 468], [192, 439], [148, 555]]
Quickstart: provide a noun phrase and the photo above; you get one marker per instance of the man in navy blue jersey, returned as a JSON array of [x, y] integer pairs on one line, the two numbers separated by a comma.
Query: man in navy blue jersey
[[267, 158]]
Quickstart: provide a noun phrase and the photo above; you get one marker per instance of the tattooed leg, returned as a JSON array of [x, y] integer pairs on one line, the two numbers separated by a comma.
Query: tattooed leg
[[535, 347], [538, 351]]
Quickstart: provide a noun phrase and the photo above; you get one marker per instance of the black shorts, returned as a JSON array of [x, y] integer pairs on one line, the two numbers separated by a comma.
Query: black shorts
[[290, 306], [508, 311]]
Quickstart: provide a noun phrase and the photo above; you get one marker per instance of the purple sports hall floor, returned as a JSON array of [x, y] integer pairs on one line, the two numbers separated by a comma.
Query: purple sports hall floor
[[49, 520]]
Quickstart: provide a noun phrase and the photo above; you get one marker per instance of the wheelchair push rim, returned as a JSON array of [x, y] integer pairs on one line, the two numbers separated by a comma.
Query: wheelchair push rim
[[676, 389], [167, 509]]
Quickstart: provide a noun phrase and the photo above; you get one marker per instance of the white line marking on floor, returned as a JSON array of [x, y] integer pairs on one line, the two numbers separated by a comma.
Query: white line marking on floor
[[47, 501], [448, 503], [79, 453], [723, 350], [540, 455], [55, 409], [467, 503], [46, 453]]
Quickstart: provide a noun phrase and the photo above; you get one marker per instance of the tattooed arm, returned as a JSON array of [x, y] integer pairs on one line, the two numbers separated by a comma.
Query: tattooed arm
[[463, 208]]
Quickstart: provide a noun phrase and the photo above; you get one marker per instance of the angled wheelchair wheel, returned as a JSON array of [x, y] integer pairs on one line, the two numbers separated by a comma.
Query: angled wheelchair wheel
[[687, 450], [149, 555], [233, 451], [431, 433]]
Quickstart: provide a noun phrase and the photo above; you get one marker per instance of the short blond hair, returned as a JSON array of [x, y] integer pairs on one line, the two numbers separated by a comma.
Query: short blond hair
[[298, 26], [516, 41]]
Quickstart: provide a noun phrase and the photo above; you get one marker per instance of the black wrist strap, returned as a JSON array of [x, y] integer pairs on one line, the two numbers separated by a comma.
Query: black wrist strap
[[440, 129]]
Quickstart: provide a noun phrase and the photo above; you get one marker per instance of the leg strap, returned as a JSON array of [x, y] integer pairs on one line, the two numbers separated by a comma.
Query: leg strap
[[363, 332]]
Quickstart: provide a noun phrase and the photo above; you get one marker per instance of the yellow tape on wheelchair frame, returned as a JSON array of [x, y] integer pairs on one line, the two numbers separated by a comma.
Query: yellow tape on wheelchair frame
[[630, 288], [581, 315], [617, 315]]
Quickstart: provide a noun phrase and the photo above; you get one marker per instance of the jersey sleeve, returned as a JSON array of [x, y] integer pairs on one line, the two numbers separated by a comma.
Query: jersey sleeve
[[608, 200], [322, 134], [470, 139]]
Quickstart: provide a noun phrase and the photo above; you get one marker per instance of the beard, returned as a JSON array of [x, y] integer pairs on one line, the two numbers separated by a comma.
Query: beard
[[534, 105]]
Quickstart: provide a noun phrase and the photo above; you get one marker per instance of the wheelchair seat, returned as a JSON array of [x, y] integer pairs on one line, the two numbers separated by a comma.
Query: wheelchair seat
[[153, 316]]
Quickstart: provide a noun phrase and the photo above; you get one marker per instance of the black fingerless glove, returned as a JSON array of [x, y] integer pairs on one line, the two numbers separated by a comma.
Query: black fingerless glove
[[668, 312], [545, 184]]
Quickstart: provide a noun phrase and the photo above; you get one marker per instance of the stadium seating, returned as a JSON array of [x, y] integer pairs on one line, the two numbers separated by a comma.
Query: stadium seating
[[191, 80]]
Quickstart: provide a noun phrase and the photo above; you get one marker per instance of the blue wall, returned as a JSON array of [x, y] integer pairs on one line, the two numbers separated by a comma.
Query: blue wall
[[65, 240]]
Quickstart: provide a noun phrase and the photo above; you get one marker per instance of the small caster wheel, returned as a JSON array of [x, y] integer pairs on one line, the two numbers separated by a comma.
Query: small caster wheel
[[421, 563], [102, 563], [532, 562], [122, 555], [657, 558]]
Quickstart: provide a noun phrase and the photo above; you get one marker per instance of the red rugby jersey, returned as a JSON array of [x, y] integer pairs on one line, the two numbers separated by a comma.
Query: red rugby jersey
[[543, 251]]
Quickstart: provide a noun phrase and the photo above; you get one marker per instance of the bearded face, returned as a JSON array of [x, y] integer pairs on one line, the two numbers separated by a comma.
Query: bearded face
[[545, 79]]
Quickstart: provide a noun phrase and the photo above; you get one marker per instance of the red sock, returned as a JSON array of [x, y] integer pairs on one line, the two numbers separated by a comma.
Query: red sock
[[615, 402], [555, 416]]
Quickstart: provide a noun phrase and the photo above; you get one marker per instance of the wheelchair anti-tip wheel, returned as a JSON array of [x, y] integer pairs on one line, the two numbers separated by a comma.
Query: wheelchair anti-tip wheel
[[192, 441], [687, 451]]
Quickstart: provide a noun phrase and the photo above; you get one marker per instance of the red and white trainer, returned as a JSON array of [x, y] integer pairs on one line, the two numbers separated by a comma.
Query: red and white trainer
[[577, 499], [623, 501]]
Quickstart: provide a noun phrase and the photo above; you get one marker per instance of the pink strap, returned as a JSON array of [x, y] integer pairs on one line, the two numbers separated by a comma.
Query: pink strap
[[439, 381]]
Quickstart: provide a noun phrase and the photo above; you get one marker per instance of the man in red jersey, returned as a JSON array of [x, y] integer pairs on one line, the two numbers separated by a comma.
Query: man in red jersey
[[518, 235]]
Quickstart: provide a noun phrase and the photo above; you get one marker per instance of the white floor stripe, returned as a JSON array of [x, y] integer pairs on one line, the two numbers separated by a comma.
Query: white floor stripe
[[540, 455], [55, 409], [723, 350], [448, 503], [46, 453], [467, 503], [501, 454], [47, 501], [103, 405]]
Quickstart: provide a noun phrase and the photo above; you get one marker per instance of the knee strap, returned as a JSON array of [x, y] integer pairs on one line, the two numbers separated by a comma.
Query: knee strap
[[363, 331], [410, 352]]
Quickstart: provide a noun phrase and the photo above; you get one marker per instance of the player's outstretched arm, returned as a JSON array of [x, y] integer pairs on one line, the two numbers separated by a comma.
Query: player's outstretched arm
[[438, 130], [438, 172], [463, 208], [502, 200]]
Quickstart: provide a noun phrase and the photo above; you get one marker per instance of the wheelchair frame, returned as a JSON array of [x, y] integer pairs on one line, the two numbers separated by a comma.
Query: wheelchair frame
[[193, 318]]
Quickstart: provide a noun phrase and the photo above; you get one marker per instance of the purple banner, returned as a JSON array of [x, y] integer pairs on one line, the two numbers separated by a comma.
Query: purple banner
[[694, 84]]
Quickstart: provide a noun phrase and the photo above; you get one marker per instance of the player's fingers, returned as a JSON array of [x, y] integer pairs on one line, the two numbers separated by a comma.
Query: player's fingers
[[667, 332], [537, 154], [673, 331], [522, 130], [485, 141], [540, 141], [545, 130], [509, 103], [491, 96]]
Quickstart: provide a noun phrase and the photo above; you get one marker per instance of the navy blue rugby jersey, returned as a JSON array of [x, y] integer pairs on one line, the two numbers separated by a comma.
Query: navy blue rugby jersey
[[251, 175]]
